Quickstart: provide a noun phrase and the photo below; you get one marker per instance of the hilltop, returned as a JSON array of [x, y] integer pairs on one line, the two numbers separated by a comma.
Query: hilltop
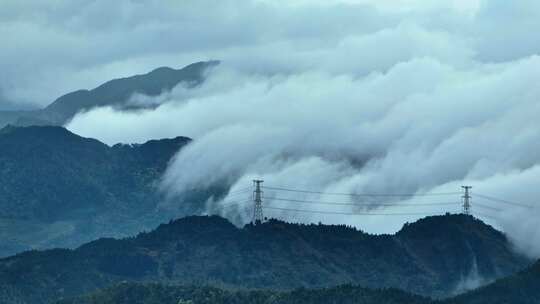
[[278, 255]]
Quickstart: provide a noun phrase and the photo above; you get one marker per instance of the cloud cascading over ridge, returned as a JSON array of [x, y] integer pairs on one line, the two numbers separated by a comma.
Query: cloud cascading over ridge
[[422, 125], [335, 96]]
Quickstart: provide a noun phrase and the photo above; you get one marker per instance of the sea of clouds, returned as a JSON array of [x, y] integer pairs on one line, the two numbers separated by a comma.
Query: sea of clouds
[[332, 96]]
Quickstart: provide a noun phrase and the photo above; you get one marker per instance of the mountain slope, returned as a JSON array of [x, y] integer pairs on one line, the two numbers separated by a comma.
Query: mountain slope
[[57, 188], [521, 288], [49, 173], [115, 93], [210, 250], [468, 238], [162, 294]]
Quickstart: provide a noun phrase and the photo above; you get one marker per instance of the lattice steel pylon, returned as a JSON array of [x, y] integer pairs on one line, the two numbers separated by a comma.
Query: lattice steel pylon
[[467, 200], [257, 202]]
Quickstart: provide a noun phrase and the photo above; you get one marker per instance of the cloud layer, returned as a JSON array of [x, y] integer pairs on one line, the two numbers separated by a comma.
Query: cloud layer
[[335, 96], [423, 125], [51, 48]]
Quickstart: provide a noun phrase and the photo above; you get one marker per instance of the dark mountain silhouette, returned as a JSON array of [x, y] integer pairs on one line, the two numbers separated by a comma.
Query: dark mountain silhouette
[[278, 255], [60, 189], [114, 93]]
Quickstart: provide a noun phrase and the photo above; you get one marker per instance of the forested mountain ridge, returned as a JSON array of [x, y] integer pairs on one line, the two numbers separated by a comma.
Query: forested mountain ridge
[[277, 255], [60, 189]]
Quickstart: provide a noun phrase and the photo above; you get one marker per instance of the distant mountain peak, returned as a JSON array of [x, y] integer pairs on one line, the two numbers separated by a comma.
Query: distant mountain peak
[[41, 133], [56, 132], [193, 66], [116, 92], [163, 69]]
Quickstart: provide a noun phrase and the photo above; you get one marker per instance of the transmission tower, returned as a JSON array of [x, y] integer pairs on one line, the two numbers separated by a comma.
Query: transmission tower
[[257, 200], [467, 200]]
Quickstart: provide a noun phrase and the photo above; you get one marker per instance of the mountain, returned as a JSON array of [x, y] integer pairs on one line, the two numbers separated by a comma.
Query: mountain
[[60, 189], [521, 288], [210, 250], [52, 194], [116, 93], [154, 293], [49, 173]]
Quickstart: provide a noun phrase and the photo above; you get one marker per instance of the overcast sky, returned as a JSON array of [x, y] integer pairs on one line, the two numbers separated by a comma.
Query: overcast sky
[[52, 47], [343, 96]]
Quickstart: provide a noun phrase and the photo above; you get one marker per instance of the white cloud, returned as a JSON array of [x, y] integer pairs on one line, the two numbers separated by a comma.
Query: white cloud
[[424, 125], [346, 96], [85, 43]]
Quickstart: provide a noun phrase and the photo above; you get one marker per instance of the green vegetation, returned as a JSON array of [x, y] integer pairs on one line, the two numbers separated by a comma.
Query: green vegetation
[[160, 294], [276, 255], [521, 288], [60, 189]]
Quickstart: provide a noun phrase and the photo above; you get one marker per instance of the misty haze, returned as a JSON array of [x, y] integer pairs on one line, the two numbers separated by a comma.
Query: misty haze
[[257, 151]]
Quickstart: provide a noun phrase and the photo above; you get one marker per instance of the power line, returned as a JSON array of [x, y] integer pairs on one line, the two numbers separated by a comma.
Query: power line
[[498, 200], [361, 194], [259, 206], [227, 207], [487, 207], [486, 216], [244, 190], [227, 203], [238, 196], [359, 204], [344, 213]]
